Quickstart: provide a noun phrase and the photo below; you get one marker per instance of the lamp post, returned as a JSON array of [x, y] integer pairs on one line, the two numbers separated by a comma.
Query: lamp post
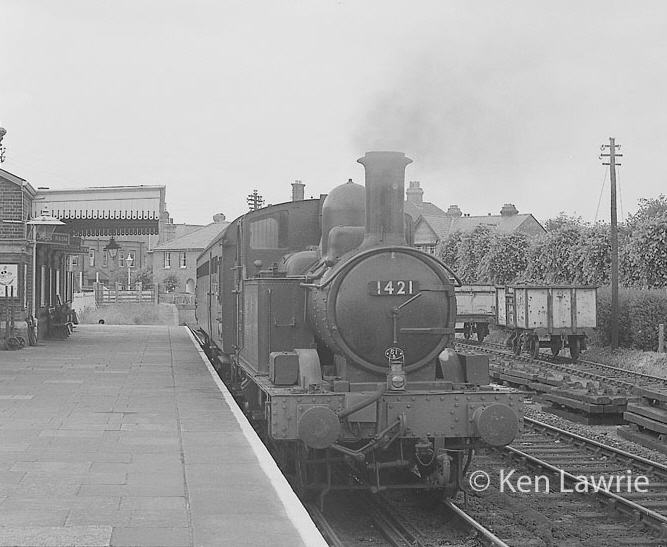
[[42, 226], [129, 262]]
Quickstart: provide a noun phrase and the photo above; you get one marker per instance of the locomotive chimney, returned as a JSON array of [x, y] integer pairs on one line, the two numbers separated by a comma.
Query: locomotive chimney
[[385, 187]]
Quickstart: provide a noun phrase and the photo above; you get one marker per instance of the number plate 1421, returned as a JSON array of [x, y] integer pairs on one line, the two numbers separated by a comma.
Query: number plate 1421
[[393, 288]]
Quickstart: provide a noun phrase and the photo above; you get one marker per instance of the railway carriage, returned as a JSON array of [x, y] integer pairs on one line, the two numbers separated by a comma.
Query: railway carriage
[[336, 336]]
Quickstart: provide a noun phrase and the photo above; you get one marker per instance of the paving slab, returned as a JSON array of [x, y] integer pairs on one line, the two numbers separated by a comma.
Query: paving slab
[[122, 436]]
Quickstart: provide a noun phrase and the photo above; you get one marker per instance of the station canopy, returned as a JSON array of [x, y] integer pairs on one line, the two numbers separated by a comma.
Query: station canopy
[[104, 211]]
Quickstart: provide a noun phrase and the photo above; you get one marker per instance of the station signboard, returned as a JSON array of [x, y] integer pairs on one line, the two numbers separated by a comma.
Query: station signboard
[[9, 277]]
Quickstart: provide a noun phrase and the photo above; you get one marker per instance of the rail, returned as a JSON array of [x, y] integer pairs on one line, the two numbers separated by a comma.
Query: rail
[[606, 374], [479, 528], [584, 455], [396, 530], [324, 526]]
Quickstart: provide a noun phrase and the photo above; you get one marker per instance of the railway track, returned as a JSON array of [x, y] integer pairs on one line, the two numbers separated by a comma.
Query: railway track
[[607, 374], [615, 477], [489, 537], [395, 528]]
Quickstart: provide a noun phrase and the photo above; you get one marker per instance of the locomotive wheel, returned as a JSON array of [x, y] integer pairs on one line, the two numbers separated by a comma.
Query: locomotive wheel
[[310, 478], [292, 460]]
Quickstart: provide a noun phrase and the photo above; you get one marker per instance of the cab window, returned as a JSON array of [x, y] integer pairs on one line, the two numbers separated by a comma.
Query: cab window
[[268, 232]]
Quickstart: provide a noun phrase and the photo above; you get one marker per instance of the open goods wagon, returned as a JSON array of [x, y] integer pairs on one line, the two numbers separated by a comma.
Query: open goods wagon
[[475, 310], [547, 316]]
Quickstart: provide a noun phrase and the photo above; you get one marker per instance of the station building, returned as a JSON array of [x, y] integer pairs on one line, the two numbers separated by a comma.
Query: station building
[[175, 260], [119, 224], [56, 242]]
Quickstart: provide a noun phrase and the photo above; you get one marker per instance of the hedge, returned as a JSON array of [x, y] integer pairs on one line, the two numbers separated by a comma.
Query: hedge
[[640, 313]]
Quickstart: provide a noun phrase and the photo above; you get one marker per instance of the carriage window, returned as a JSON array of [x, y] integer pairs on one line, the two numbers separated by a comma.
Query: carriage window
[[269, 232]]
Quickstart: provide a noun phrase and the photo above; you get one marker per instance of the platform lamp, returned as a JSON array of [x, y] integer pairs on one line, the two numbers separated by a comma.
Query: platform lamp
[[129, 260], [112, 248], [41, 228]]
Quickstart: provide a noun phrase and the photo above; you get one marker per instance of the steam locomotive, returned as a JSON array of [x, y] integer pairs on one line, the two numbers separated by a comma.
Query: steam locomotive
[[336, 336]]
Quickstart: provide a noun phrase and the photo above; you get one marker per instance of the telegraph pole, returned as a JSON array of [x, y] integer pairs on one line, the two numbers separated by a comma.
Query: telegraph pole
[[612, 163], [255, 201]]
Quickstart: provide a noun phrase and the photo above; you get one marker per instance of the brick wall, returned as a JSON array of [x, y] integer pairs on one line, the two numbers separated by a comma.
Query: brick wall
[[14, 205]]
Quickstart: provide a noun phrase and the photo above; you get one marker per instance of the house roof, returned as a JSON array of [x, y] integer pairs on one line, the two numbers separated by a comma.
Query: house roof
[[431, 222], [443, 226], [182, 230], [425, 208], [196, 240]]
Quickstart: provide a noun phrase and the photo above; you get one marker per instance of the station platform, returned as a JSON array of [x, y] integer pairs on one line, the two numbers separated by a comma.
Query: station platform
[[124, 436]]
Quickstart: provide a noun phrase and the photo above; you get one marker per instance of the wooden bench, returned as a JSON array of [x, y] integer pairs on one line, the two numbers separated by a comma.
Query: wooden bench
[[59, 325]]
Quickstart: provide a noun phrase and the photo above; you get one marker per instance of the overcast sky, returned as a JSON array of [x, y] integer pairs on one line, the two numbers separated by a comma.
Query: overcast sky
[[495, 101]]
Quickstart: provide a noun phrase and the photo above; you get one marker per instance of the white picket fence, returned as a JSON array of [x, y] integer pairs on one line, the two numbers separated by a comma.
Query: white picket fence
[[104, 295]]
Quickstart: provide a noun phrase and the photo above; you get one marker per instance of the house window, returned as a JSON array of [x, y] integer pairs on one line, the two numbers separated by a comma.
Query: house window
[[428, 248], [105, 259], [167, 261], [182, 261], [75, 261], [91, 257], [121, 260]]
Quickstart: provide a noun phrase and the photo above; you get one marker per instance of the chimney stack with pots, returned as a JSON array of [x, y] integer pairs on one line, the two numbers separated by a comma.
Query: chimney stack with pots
[[414, 193], [297, 190]]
